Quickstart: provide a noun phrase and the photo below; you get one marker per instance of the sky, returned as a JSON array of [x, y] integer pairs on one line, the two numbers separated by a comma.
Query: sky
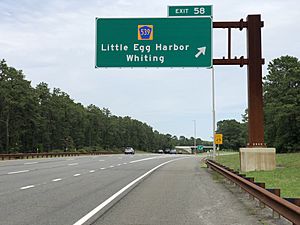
[[54, 42]]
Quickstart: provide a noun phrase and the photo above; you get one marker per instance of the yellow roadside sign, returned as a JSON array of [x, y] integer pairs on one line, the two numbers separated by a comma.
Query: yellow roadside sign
[[218, 139]]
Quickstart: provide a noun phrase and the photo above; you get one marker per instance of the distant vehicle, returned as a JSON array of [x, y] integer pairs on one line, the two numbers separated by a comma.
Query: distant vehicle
[[160, 151], [173, 151], [180, 152], [167, 151], [129, 150]]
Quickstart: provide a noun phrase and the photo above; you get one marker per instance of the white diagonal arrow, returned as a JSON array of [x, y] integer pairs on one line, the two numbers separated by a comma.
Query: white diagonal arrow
[[201, 51]]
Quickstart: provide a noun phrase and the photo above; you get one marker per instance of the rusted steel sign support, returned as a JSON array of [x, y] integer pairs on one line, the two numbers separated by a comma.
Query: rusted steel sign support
[[254, 62]]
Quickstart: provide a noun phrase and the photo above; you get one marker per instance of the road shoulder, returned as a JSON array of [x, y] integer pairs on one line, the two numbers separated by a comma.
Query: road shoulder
[[179, 193]]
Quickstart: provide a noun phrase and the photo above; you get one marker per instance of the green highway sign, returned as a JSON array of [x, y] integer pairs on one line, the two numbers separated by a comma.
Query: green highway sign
[[201, 10], [200, 147], [154, 42]]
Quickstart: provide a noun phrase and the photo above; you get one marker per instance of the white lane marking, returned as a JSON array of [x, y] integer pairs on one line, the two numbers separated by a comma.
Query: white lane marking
[[76, 175], [16, 172], [92, 171], [26, 187], [145, 159], [124, 163], [119, 164], [103, 168], [69, 159], [30, 163], [58, 179], [72, 164], [101, 160], [111, 166], [111, 198]]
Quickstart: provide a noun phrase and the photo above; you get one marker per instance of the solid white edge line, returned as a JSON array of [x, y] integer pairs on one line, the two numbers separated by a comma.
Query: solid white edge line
[[16, 172], [26, 187], [111, 198], [144, 159]]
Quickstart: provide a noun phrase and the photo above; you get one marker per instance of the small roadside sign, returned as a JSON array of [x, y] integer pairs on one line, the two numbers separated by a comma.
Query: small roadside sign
[[218, 139], [200, 147]]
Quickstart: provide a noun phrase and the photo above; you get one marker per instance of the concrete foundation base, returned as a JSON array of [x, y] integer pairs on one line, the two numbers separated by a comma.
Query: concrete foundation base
[[256, 159]]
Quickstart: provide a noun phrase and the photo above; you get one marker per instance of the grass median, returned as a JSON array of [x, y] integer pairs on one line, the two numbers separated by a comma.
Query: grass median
[[286, 176]]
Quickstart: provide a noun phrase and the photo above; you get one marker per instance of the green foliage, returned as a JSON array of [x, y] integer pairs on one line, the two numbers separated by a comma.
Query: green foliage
[[286, 176], [40, 120], [282, 104], [281, 110], [234, 134]]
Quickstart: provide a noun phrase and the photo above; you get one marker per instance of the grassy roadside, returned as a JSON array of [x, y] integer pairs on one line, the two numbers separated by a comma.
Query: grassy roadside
[[286, 176]]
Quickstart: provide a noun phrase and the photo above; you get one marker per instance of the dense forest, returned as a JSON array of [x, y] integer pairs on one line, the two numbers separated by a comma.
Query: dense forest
[[281, 90], [39, 119]]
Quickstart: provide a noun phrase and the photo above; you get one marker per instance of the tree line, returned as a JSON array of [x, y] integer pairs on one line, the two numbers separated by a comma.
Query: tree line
[[281, 91], [37, 119]]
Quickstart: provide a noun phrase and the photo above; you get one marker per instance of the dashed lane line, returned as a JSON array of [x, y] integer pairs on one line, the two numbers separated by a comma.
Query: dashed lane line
[[27, 187], [30, 163], [20, 171], [75, 175], [58, 179]]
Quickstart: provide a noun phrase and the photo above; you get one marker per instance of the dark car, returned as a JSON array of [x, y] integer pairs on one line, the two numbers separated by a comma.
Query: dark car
[[167, 151]]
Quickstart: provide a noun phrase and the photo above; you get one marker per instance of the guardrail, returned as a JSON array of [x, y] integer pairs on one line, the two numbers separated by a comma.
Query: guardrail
[[287, 207], [49, 155]]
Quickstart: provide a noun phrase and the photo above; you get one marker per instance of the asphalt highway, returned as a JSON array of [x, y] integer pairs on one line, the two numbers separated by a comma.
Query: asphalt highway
[[113, 189]]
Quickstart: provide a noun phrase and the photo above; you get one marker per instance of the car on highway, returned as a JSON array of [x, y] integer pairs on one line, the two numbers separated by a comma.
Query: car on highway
[[173, 151], [160, 151], [167, 151], [129, 150]]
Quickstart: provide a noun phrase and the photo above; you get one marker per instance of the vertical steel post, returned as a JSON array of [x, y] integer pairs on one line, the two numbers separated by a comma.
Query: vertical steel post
[[229, 43], [255, 98], [195, 143], [213, 110]]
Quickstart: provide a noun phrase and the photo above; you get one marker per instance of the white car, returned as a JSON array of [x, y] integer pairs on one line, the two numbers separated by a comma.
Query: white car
[[129, 150], [173, 151]]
